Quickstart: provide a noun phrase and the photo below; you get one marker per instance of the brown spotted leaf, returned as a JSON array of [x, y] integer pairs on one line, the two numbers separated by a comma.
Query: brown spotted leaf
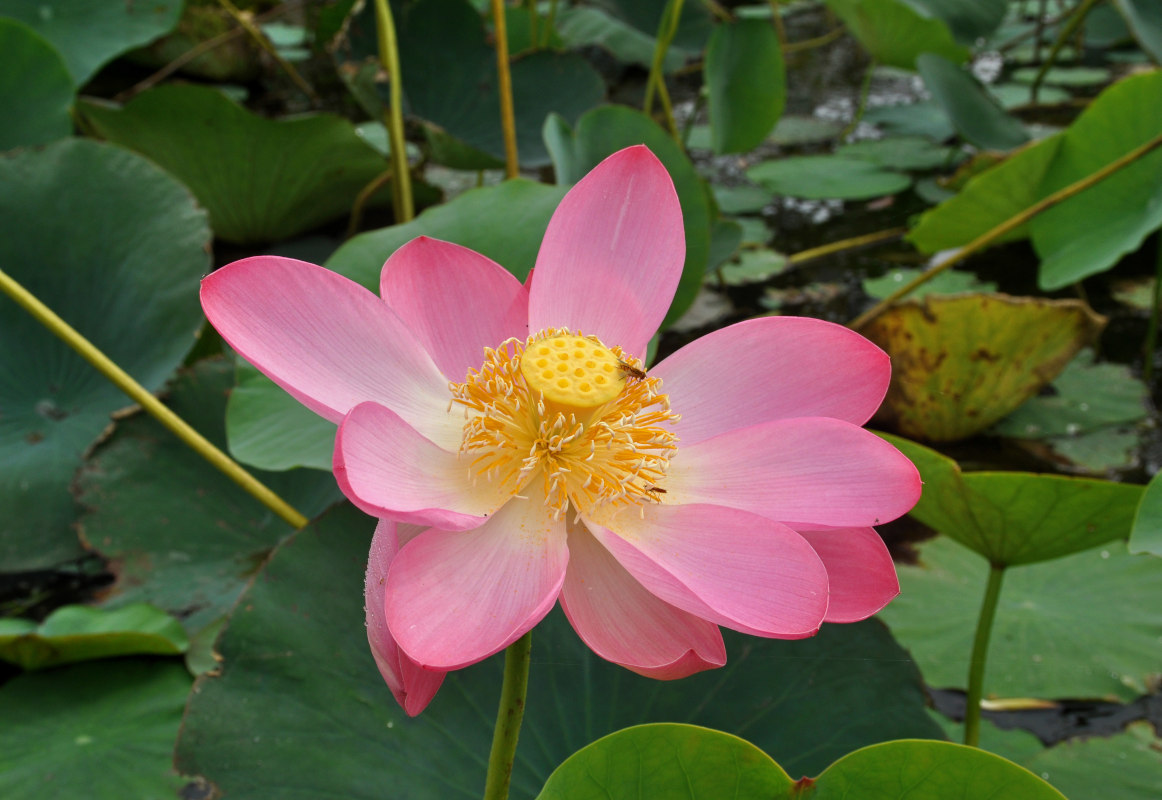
[[962, 362]]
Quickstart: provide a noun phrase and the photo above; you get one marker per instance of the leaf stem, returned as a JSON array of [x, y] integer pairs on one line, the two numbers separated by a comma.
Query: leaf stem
[[980, 647], [504, 85], [245, 21], [1074, 21], [656, 81], [139, 394], [401, 187], [508, 718], [1009, 225], [866, 240]]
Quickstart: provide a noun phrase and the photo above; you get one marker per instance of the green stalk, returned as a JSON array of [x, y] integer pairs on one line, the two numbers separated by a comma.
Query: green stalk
[[142, 396], [401, 187], [508, 718], [1062, 38], [666, 32], [980, 648], [1152, 331], [504, 84]]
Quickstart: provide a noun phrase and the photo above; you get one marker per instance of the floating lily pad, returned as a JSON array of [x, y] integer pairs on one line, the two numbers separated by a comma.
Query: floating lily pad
[[754, 231], [949, 281], [1081, 626], [260, 179], [1127, 766], [181, 535], [1015, 518], [103, 730], [753, 266], [925, 118], [1086, 397], [744, 199], [962, 362], [793, 130], [36, 90], [89, 35], [747, 84], [974, 113], [602, 132], [895, 33], [903, 153], [699, 764], [299, 634], [81, 633], [1065, 76], [64, 216], [828, 177], [1137, 293], [1011, 95]]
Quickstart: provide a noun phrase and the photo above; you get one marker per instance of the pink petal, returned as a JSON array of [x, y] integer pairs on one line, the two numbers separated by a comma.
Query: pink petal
[[412, 686], [328, 341], [455, 302], [809, 472], [612, 255], [726, 566], [773, 368], [860, 574], [625, 624], [455, 598], [390, 470]]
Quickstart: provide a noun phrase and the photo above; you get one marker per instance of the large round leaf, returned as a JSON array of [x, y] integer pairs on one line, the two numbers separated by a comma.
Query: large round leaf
[[1082, 626], [36, 90], [116, 247], [179, 534], [1014, 518], [969, 19], [103, 730], [89, 34], [747, 83], [1088, 233], [827, 177], [261, 179], [298, 634], [602, 132], [682, 761]]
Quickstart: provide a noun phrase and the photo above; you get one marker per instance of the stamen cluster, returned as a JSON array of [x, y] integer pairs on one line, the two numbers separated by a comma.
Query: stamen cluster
[[614, 452]]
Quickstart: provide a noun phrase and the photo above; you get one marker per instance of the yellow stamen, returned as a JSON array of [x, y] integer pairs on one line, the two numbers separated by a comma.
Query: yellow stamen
[[563, 411]]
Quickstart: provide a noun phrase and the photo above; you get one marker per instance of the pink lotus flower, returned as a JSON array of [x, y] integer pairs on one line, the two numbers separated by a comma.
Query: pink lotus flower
[[517, 452]]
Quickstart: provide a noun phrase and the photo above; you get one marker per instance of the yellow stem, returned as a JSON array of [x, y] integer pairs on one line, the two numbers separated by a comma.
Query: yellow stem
[[1071, 26], [260, 38], [139, 394], [818, 41], [504, 84], [389, 58], [656, 81], [780, 28], [811, 254], [1009, 225], [361, 200]]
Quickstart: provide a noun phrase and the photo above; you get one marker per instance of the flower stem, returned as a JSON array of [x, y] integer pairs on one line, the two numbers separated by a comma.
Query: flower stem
[[389, 57], [504, 85], [508, 718], [656, 81], [1009, 225], [123, 381], [980, 647]]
